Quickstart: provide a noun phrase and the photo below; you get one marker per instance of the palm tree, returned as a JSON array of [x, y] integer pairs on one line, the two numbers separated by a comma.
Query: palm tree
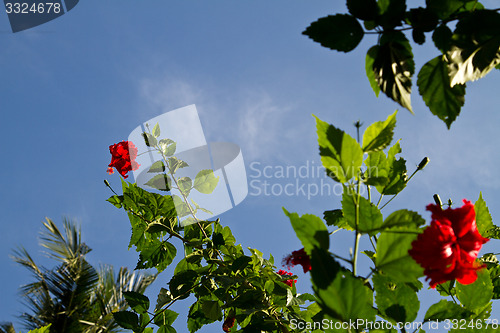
[[73, 296]]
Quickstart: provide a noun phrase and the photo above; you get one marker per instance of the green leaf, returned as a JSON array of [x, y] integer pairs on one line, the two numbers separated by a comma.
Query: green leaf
[[391, 13], [157, 166], [379, 134], [442, 38], [126, 319], [240, 263], [370, 74], [166, 329], [393, 258], [435, 88], [370, 218], [181, 283], [45, 329], [396, 301], [167, 147], [310, 229], [444, 9], [164, 297], [393, 67], [340, 295], [395, 170], [116, 200], [160, 182], [137, 301], [340, 154], [477, 295], [341, 32], [446, 310], [185, 185], [167, 317], [336, 217], [363, 9], [484, 221], [205, 181], [403, 219], [157, 255], [475, 49], [211, 310], [175, 164], [156, 130], [149, 140]]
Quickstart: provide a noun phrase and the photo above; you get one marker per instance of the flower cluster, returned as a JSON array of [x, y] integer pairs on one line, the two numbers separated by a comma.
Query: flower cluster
[[228, 324], [298, 257], [289, 282], [123, 155], [448, 248]]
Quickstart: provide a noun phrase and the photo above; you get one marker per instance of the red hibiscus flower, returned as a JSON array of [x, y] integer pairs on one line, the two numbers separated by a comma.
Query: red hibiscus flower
[[228, 324], [298, 257], [448, 248], [288, 282], [123, 155]]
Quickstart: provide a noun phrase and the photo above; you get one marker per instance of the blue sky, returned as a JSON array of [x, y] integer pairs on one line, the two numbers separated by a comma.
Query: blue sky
[[74, 86]]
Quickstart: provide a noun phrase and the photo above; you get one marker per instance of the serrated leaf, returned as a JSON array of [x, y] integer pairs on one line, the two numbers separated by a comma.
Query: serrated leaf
[[446, 310], [369, 219], [167, 147], [166, 318], [116, 200], [396, 301], [156, 130], [126, 319], [475, 49], [442, 38], [370, 73], [403, 219], [157, 166], [365, 10], [160, 182], [336, 217], [340, 154], [175, 164], [434, 86], [211, 310], [477, 295], [393, 258], [137, 301], [149, 140], [379, 134], [164, 297], [341, 32], [484, 222], [310, 229], [393, 68], [185, 185], [205, 181], [156, 254]]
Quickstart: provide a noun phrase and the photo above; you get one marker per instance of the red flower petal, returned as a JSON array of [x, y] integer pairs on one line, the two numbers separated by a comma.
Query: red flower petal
[[123, 155]]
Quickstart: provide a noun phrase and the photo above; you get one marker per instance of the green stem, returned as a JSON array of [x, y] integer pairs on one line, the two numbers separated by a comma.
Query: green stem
[[358, 235]]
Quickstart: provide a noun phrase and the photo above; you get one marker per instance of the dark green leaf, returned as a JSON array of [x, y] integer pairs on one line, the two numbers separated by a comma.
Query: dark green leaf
[[392, 13], [477, 295], [403, 219], [211, 310], [240, 263], [393, 258], [336, 217], [157, 166], [475, 46], [446, 310], [434, 85], [310, 229], [166, 329], [126, 319], [442, 38], [396, 301], [164, 297], [369, 216], [339, 32], [393, 67], [181, 283], [156, 255], [363, 9], [137, 301], [205, 181], [167, 317], [370, 74], [379, 134], [340, 154]]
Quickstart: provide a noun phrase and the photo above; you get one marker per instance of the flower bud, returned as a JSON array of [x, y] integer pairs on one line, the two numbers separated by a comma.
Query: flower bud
[[424, 162], [106, 183], [437, 200]]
